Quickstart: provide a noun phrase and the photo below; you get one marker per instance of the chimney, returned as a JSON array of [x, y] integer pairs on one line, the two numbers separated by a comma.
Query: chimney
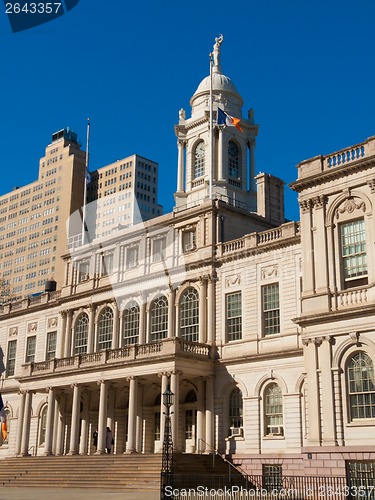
[[270, 198]]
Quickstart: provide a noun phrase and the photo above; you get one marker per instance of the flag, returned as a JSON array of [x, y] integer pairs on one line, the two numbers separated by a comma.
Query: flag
[[224, 119], [88, 177], [3, 419]]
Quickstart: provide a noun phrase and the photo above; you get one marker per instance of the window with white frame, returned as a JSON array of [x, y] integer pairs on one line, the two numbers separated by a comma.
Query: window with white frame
[[361, 385], [233, 160], [159, 319], [158, 249], [81, 333], [132, 257], [199, 160], [273, 410], [106, 264], [353, 253], [83, 271], [30, 349], [51, 345], [271, 309], [235, 413], [234, 316], [189, 240], [130, 325], [189, 315], [105, 329], [11, 358]]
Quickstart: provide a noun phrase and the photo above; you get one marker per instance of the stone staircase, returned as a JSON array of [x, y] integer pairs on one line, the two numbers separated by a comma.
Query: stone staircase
[[116, 472]]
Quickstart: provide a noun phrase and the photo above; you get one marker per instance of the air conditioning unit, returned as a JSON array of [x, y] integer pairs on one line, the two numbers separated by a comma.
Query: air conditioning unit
[[275, 430], [133, 264], [189, 247], [236, 431], [85, 277]]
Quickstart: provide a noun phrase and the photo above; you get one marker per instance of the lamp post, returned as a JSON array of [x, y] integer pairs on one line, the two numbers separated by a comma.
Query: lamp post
[[167, 458]]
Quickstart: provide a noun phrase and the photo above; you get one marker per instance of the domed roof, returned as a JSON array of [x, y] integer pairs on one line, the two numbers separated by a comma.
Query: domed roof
[[220, 83]]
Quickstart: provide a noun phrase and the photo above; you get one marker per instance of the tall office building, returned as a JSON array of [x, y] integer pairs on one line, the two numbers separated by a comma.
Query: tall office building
[[36, 220]]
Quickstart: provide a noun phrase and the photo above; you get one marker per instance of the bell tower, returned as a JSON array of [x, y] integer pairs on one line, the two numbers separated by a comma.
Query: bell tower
[[221, 166]]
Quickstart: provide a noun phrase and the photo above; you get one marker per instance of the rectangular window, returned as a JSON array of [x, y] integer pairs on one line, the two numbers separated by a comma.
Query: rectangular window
[[189, 241], [107, 264], [11, 358], [158, 250], [83, 270], [271, 309], [234, 316], [361, 476], [353, 252], [132, 257], [272, 477], [51, 345], [30, 349]]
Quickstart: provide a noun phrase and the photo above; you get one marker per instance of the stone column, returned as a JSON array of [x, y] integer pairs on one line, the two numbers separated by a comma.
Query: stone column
[[74, 428], [164, 383], [175, 388], [171, 315], [68, 335], [142, 322], [60, 426], [252, 428], [320, 242], [210, 311], [311, 366], [50, 421], [200, 408], [116, 329], [91, 329], [181, 165], [202, 312], [220, 155], [21, 412], [132, 415], [338, 406], [102, 420], [84, 439], [308, 248], [210, 439], [60, 345], [121, 327], [26, 424], [252, 182], [328, 397]]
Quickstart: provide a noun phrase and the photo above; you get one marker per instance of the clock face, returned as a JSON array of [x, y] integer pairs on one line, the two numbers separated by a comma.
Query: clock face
[[233, 149], [199, 152]]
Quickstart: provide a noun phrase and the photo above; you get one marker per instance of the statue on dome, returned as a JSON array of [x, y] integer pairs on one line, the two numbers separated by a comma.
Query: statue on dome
[[250, 115], [216, 53]]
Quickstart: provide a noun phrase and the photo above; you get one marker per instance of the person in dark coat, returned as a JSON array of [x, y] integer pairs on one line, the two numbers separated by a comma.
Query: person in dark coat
[[95, 439]]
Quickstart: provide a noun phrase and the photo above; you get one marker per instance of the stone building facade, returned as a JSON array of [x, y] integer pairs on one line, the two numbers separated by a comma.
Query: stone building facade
[[263, 328]]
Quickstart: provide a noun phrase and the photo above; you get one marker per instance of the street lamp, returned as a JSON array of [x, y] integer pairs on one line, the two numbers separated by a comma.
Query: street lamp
[[167, 459]]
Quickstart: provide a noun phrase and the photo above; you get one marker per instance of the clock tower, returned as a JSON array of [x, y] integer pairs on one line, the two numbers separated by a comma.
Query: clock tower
[[221, 165]]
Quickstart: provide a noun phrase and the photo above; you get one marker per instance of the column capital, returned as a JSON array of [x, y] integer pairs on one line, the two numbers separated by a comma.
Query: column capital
[[132, 377], [63, 313], [101, 381], [73, 385], [167, 374]]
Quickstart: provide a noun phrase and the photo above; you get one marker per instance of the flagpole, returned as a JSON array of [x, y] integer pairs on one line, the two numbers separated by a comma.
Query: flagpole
[[85, 188], [211, 132]]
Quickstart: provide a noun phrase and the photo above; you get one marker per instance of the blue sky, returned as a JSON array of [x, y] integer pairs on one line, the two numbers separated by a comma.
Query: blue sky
[[305, 67]]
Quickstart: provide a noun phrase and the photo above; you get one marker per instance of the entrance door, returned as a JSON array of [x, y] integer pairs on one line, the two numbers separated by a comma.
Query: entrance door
[[190, 430]]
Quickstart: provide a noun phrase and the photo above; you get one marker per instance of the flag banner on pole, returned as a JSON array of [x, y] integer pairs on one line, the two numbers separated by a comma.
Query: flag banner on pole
[[88, 177], [3, 419], [224, 119]]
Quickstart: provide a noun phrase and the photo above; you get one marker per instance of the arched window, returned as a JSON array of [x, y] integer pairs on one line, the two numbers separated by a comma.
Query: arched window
[[190, 397], [43, 425], [159, 319], [361, 383], [105, 329], [189, 315], [273, 410], [233, 160], [81, 333], [235, 414], [199, 160], [130, 329]]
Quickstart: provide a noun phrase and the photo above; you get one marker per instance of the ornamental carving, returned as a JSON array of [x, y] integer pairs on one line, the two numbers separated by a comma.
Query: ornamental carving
[[234, 279], [371, 183], [13, 331], [354, 337], [305, 205], [319, 201], [52, 323], [32, 327], [269, 272], [350, 206]]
